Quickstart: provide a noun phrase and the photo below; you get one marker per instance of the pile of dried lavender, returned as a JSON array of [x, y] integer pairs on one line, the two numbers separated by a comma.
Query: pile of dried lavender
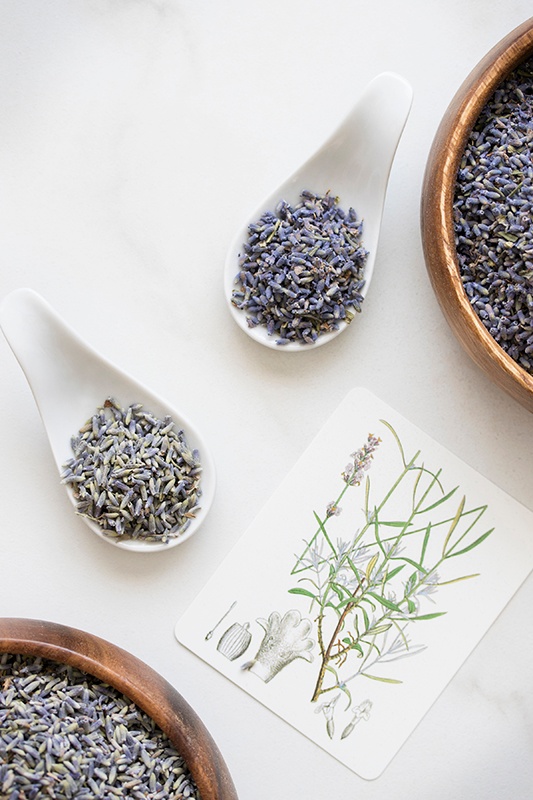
[[133, 474], [64, 734], [493, 206], [301, 270]]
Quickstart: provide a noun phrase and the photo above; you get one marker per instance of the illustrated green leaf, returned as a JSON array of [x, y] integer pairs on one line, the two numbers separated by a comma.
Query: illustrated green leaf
[[393, 524], [411, 607], [478, 513], [400, 446], [340, 591], [303, 592], [366, 599], [354, 568], [401, 632], [410, 584], [312, 582], [428, 616], [434, 480], [377, 678], [346, 602], [412, 562], [438, 502], [371, 564], [415, 486], [471, 546], [455, 522], [425, 543], [390, 575], [380, 629], [324, 532], [367, 495], [375, 523], [329, 668], [366, 618], [372, 644], [456, 580], [385, 602]]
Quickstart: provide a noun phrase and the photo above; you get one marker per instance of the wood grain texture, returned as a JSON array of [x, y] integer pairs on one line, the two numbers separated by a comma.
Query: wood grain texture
[[437, 209], [139, 682]]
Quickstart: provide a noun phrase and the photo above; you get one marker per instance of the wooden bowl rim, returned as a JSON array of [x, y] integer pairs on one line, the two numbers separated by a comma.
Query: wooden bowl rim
[[438, 188], [134, 678]]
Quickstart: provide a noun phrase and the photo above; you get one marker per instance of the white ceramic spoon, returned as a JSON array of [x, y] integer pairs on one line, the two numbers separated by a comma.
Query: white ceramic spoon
[[354, 164], [70, 380]]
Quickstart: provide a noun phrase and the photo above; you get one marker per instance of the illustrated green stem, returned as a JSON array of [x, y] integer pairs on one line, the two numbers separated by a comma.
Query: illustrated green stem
[[327, 655]]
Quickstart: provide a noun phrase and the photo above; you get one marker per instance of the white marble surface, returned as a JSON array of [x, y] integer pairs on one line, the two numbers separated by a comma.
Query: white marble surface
[[134, 137]]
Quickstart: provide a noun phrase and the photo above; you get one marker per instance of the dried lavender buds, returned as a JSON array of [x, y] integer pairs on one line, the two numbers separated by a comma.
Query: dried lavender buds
[[492, 211], [65, 734], [301, 270], [133, 474]]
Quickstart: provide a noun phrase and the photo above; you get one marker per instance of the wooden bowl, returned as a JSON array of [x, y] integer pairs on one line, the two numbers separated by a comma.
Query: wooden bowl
[[437, 207], [141, 684]]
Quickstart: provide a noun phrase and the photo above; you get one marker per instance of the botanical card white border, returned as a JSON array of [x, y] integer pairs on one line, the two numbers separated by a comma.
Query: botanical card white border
[[246, 607]]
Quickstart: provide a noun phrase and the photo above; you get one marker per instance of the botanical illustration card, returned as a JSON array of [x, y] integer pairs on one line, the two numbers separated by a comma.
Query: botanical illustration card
[[363, 584]]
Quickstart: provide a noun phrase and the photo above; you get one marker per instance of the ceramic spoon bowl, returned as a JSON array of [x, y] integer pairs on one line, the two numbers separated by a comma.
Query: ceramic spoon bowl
[[354, 164], [70, 380]]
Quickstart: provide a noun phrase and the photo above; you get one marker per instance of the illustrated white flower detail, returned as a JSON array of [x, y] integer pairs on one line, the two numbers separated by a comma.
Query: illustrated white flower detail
[[333, 510], [286, 638], [328, 709], [360, 712]]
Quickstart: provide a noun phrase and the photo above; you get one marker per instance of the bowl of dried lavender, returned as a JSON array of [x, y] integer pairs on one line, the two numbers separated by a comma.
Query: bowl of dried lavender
[[80, 717], [476, 214]]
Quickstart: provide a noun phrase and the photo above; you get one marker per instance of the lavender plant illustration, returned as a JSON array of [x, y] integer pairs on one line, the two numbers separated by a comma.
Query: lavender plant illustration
[[368, 593]]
